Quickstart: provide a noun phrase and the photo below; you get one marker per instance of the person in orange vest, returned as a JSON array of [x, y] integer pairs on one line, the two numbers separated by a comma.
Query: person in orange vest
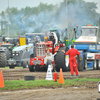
[[73, 59]]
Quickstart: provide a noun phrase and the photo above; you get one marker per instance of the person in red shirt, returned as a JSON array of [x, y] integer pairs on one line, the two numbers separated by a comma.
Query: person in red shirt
[[73, 59]]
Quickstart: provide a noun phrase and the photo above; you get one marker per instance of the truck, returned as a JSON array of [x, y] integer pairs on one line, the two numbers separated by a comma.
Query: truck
[[88, 44]]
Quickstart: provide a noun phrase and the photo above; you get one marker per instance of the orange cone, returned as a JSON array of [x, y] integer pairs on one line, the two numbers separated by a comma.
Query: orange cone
[[61, 79], [1, 80]]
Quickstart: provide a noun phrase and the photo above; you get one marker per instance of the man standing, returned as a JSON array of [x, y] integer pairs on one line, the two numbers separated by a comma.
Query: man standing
[[72, 59]]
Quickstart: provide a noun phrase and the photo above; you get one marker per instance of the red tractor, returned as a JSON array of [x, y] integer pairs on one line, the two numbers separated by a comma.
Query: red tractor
[[49, 53]]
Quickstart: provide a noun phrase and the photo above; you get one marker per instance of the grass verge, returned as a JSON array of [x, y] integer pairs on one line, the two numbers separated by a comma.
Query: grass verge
[[7, 67], [22, 84]]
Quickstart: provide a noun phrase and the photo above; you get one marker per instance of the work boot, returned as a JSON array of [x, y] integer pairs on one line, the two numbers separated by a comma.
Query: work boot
[[72, 75]]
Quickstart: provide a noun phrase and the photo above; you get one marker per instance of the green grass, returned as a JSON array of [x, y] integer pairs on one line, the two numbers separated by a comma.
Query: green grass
[[7, 67], [22, 84]]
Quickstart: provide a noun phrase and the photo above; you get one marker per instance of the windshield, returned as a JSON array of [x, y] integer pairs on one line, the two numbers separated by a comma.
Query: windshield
[[61, 34], [32, 37], [89, 32]]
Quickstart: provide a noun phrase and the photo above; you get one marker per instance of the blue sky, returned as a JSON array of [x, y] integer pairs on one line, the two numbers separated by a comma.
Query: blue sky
[[23, 3]]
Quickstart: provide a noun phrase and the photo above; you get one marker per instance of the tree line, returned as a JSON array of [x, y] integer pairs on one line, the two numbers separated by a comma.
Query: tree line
[[45, 16]]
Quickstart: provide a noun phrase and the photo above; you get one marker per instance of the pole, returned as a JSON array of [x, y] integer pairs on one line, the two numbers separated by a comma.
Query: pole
[[8, 18], [67, 21]]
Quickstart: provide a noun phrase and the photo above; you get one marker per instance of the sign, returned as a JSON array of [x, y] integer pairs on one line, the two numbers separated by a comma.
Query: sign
[[97, 56], [87, 39]]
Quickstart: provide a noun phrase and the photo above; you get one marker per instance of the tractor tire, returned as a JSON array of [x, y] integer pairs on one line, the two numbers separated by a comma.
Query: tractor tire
[[80, 64], [11, 66], [98, 68], [60, 60], [95, 68], [8, 54], [2, 59], [25, 64], [31, 68]]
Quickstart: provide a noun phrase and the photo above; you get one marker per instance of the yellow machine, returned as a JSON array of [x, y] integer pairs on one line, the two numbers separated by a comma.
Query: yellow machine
[[22, 40]]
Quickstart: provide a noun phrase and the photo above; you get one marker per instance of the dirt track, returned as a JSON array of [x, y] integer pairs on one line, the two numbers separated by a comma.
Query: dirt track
[[68, 93], [18, 74]]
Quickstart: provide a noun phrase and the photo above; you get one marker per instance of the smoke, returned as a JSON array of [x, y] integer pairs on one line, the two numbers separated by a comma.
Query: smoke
[[76, 15], [72, 15], [69, 16]]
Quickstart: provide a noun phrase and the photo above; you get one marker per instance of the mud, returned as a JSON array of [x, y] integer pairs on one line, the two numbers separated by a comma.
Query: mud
[[19, 73], [88, 92]]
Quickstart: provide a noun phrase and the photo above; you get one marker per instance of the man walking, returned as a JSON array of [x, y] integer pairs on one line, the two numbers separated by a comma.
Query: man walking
[[73, 59]]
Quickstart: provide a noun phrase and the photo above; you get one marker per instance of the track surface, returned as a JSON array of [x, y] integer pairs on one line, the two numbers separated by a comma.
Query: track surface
[[18, 74], [69, 93]]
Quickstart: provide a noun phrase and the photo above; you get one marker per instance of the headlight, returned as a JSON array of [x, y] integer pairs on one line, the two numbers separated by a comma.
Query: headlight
[[13, 54], [16, 54]]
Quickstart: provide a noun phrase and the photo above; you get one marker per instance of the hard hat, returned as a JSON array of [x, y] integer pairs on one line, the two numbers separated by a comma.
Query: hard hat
[[45, 37], [76, 25]]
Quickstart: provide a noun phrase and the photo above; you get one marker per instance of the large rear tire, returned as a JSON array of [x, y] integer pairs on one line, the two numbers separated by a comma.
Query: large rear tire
[[60, 60], [2, 59]]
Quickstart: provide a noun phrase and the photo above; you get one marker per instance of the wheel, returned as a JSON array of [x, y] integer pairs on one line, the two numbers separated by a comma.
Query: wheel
[[11, 66], [95, 65], [80, 64], [8, 53], [60, 60], [98, 65], [25, 64], [31, 68], [2, 59]]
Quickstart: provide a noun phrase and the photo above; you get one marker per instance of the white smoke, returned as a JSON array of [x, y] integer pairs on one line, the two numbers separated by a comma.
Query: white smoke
[[69, 16]]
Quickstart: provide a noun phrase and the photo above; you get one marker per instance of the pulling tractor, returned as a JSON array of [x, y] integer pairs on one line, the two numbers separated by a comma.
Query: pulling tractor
[[49, 52], [21, 54], [88, 44], [5, 51]]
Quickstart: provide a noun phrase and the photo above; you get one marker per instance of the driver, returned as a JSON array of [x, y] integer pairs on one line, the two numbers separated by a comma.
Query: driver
[[91, 33], [51, 38]]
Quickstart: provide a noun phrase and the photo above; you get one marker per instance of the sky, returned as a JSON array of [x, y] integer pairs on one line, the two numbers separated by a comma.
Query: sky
[[23, 3]]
